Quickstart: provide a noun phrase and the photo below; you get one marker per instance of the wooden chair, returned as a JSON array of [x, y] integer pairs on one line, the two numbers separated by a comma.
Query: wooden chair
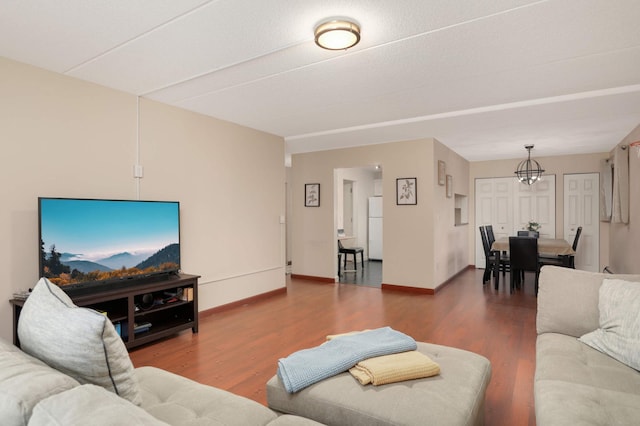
[[534, 234], [491, 258], [351, 250], [490, 235], [523, 252], [567, 261]]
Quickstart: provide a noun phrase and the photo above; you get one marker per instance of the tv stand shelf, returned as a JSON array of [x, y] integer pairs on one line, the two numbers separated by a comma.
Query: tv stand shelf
[[169, 305]]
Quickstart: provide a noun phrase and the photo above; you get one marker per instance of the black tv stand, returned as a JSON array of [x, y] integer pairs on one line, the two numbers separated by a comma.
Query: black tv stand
[[174, 308]]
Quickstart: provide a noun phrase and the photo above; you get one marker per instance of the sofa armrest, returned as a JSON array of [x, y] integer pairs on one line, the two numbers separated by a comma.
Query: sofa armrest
[[568, 300]]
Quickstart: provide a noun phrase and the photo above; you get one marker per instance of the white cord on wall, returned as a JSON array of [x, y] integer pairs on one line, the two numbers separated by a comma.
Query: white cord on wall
[[137, 168]]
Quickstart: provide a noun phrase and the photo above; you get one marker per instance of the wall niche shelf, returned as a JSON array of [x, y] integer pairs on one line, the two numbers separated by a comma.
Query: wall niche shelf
[[461, 210]]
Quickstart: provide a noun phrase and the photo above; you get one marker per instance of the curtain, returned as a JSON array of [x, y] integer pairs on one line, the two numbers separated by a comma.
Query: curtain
[[606, 189], [620, 207]]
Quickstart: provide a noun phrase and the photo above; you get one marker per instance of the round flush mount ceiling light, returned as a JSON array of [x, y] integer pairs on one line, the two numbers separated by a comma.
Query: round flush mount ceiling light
[[337, 34]]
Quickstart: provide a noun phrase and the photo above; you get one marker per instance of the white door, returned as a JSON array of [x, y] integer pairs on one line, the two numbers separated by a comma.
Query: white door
[[493, 207], [347, 206], [536, 203], [509, 205], [581, 208]]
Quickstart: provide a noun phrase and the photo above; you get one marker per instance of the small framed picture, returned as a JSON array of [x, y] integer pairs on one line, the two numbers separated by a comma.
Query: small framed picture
[[312, 195], [406, 191], [442, 169], [449, 186]]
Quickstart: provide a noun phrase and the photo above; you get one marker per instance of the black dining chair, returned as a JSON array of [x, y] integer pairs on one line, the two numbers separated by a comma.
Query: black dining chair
[[567, 261], [351, 250], [534, 234], [523, 252], [490, 235], [491, 258]]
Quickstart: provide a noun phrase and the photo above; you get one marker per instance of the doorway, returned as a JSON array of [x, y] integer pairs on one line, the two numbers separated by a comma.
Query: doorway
[[353, 189]]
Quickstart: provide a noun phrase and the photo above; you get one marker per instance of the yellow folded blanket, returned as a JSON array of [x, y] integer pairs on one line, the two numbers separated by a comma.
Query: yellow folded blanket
[[394, 368], [349, 333]]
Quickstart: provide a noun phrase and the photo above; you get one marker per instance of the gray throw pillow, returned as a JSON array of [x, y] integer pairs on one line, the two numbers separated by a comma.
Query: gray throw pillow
[[80, 342], [619, 333]]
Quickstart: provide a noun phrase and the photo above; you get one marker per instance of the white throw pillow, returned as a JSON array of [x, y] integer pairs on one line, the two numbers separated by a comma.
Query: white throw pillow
[[90, 405], [619, 333], [80, 342]]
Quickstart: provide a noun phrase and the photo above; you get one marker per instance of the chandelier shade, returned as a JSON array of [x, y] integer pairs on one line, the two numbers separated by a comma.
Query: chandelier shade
[[529, 171]]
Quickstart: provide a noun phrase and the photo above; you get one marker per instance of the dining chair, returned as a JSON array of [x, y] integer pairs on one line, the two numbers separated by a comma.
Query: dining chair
[[351, 250], [523, 253], [490, 235], [491, 258], [534, 234], [567, 261]]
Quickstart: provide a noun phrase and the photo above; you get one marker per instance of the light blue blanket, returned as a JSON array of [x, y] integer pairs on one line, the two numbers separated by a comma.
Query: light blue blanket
[[308, 366]]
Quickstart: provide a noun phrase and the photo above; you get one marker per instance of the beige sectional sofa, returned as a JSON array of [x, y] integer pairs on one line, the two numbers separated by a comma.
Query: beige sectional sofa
[[574, 382], [73, 369], [32, 393]]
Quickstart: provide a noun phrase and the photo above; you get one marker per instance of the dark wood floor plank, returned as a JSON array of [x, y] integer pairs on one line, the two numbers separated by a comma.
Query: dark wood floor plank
[[238, 349]]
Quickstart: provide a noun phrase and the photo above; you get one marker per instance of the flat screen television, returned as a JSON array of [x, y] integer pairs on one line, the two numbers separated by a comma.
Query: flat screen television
[[88, 245]]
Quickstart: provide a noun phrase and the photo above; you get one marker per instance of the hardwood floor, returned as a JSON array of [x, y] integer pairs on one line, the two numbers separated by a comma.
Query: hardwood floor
[[238, 349]]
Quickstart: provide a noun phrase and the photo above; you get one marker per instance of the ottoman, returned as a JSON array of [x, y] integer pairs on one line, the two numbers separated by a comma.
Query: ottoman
[[455, 397]]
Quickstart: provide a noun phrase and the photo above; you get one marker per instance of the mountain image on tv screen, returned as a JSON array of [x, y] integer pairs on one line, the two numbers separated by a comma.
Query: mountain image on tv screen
[[84, 241]]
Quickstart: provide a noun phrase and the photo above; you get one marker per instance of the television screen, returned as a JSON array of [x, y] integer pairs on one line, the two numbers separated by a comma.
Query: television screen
[[84, 242]]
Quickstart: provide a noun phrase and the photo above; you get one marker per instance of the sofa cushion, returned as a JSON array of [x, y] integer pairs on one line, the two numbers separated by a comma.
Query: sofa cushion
[[568, 300], [288, 420], [619, 333], [24, 381], [90, 405], [78, 341], [179, 401], [576, 384]]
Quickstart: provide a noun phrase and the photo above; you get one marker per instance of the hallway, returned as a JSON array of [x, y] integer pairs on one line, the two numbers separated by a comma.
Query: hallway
[[369, 276]]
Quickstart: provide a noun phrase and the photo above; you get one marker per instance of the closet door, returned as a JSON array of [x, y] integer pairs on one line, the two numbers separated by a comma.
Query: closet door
[[536, 203], [494, 207], [581, 209]]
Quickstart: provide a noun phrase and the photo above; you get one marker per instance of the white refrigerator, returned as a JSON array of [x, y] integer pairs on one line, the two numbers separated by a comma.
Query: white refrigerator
[[375, 228]]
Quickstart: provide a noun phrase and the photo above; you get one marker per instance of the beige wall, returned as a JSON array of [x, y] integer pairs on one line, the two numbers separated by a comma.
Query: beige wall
[[625, 238], [64, 137], [411, 252], [560, 165], [450, 243]]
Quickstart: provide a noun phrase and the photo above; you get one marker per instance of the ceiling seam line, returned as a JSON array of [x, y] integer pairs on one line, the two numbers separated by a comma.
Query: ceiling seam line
[[478, 110], [447, 27], [138, 36]]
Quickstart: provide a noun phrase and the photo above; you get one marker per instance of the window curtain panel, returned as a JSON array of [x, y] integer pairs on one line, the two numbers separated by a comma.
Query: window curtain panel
[[620, 207], [606, 189]]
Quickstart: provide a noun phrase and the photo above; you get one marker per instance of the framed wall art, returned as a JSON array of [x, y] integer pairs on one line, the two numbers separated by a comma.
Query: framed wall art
[[312, 195], [406, 191], [442, 169]]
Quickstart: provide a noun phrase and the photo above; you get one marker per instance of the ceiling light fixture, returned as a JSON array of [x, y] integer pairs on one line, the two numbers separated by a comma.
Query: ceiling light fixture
[[337, 35], [529, 171]]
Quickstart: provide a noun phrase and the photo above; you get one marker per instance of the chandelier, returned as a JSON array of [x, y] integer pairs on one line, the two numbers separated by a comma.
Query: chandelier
[[529, 171]]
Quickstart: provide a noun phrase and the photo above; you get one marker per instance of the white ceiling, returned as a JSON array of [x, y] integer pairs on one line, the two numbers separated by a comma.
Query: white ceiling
[[484, 77]]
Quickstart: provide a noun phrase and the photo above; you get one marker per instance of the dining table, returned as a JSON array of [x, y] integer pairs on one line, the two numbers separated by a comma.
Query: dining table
[[546, 246]]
